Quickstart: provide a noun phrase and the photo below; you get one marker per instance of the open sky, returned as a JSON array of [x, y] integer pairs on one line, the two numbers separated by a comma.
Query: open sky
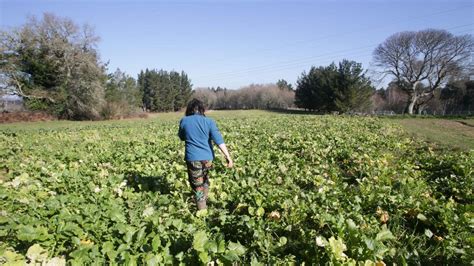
[[231, 43]]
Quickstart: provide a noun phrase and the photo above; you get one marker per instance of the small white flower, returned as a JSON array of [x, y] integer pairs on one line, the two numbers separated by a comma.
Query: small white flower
[[118, 191], [320, 242], [16, 182], [148, 211], [52, 193], [24, 201], [123, 184], [97, 189]]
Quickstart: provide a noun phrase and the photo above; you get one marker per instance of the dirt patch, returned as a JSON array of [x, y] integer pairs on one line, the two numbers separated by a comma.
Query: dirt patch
[[25, 117]]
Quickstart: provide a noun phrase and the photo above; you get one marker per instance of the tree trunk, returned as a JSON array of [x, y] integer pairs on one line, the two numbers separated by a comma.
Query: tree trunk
[[413, 98], [411, 104]]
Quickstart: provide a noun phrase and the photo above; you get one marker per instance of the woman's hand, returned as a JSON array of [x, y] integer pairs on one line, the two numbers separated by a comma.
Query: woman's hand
[[230, 163], [224, 150]]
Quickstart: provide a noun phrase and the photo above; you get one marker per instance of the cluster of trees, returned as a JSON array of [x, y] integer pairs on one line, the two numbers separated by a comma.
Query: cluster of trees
[[254, 96], [122, 95], [163, 90], [456, 97], [428, 69], [341, 88], [54, 66]]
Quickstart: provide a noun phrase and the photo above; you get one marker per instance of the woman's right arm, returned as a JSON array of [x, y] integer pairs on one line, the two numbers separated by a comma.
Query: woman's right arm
[[216, 136], [224, 150]]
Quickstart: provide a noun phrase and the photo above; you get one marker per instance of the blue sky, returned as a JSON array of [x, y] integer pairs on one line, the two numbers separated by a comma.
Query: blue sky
[[235, 43]]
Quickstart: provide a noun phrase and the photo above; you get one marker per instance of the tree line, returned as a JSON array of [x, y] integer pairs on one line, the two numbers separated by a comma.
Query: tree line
[[254, 96], [54, 66], [429, 70]]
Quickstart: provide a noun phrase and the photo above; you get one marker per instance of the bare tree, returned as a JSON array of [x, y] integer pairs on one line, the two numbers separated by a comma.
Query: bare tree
[[422, 61], [207, 96]]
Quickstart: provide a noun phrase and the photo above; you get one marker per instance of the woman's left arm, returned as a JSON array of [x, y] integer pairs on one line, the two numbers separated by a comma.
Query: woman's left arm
[[181, 134]]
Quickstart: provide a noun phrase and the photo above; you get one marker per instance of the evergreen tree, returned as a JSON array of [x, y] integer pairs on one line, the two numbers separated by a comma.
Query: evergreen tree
[[284, 85], [340, 88], [353, 89], [315, 89], [164, 91]]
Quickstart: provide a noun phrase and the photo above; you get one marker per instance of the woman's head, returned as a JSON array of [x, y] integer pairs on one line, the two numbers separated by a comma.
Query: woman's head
[[195, 106]]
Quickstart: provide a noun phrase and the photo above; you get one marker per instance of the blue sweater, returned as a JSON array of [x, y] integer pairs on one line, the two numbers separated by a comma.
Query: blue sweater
[[197, 131]]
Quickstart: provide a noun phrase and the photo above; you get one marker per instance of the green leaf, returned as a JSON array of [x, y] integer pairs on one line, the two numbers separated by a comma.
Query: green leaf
[[109, 249], [260, 211], [351, 225], [283, 240], [221, 247], [428, 233], [122, 248], [12, 258], [200, 240], [211, 246], [421, 217], [237, 248], [385, 234], [231, 256], [204, 257], [36, 253], [178, 223], [152, 260], [80, 254], [140, 236], [130, 260], [156, 242], [30, 233], [370, 243], [255, 262], [337, 247], [251, 210], [117, 216], [73, 228], [129, 236]]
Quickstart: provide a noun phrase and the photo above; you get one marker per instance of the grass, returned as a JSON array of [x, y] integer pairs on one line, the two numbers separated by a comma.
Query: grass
[[452, 133]]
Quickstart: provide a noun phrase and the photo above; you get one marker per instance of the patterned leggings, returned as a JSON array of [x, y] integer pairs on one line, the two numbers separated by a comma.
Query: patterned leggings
[[198, 176]]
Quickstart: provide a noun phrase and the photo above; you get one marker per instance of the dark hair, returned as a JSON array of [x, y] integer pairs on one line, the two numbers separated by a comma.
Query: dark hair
[[195, 106]]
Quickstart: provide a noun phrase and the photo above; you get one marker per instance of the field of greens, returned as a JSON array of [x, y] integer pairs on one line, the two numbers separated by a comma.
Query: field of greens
[[304, 189]]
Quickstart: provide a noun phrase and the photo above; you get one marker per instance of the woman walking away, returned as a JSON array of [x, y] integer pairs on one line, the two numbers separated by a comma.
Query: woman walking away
[[198, 132]]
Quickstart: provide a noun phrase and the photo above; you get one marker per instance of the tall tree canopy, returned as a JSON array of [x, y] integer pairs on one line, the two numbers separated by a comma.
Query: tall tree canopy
[[284, 85], [54, 66], [122, 95], [164, 91], [342, 88], [422, 61]]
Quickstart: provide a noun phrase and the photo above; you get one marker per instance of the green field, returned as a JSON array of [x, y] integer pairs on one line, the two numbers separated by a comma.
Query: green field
[[305, 188], [452, 133]]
